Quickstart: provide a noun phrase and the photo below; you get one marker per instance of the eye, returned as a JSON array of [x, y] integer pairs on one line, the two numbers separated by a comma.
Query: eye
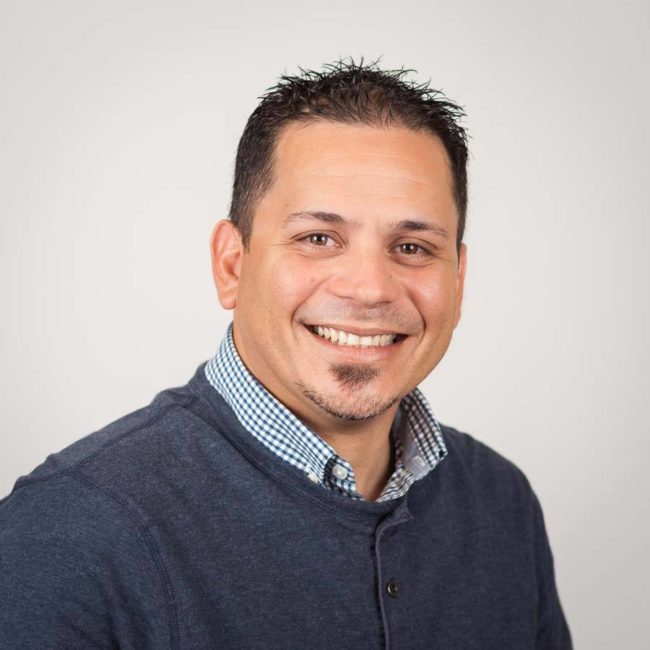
[[319, 239], [409, 248]]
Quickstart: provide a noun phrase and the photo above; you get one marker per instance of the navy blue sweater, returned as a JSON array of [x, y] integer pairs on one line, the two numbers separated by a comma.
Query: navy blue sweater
[[174, 528]]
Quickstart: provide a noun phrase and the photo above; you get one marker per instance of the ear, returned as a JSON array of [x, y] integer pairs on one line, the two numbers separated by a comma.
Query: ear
[[460, 281], [227, 253]]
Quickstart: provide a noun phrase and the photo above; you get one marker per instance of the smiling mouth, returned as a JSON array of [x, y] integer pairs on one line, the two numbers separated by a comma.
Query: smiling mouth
[[349, 339]]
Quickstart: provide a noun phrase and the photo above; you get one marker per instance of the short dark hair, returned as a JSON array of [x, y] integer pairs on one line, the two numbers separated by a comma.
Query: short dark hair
[[350, 93]]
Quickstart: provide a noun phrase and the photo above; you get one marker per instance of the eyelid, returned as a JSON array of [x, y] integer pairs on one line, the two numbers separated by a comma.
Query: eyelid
[[425, 247]]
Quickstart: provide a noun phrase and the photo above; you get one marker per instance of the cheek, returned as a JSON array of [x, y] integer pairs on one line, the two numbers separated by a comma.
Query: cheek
[[435, 300], [290, 283]]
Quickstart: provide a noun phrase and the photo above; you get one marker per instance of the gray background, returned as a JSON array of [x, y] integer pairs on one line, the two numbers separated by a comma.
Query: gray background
[[118, 128]]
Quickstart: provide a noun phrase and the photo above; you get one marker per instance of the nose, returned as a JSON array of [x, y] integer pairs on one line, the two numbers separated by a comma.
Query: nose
[[366, 277]]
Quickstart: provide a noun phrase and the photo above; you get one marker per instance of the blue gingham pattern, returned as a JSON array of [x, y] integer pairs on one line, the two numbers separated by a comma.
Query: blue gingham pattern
[[416, 434]]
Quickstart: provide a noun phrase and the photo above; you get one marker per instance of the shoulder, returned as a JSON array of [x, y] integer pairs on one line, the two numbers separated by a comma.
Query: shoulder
[[476, 468], [138, 462], [123, 453], [476, 456], [132, 433], [74, 531], [89, 488], [75, 507]]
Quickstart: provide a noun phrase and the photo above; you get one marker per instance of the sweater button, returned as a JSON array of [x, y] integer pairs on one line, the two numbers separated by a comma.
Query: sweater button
[[391, 588]]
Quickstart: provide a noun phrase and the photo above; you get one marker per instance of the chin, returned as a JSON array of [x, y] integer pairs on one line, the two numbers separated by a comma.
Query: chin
[[354, 407]]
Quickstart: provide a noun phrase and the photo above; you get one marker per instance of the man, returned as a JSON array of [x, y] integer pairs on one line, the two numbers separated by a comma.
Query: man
[[298, 492]]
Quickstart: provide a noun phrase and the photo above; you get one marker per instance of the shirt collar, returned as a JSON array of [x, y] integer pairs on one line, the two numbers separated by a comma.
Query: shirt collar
[[419, 445]]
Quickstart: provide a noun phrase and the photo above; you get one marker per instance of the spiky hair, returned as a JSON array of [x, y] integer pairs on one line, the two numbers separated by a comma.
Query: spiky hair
[[350, 93]]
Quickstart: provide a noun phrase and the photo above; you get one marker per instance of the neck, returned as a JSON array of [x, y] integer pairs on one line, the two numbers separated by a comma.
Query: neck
[[367, 447]]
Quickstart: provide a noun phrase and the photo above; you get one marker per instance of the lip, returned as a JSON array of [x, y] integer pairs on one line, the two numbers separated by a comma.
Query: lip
[[372, 353]]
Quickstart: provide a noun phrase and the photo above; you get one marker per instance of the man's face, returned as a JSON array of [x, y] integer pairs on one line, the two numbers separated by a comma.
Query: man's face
[[355, 241]]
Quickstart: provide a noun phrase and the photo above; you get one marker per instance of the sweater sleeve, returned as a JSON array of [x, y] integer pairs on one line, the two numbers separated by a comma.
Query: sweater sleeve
[[552, 629], [76, 572]]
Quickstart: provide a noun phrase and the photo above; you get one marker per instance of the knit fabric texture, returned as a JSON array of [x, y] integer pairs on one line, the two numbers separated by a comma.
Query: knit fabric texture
[[173, 527]]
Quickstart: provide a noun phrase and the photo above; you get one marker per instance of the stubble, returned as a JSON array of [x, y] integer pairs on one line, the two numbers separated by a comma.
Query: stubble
[[346, 405]]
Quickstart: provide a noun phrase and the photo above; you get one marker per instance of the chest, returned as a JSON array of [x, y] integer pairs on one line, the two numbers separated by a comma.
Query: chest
[[274, 577]]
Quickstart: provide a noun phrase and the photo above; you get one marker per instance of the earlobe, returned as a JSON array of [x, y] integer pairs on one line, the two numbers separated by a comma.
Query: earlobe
[[460, 281], [227, 252]]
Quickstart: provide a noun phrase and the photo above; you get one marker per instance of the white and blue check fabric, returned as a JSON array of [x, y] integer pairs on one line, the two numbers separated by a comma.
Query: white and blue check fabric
[[416, 434]]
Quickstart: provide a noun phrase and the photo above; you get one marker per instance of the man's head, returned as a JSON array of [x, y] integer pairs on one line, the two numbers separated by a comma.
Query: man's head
[[343, 258]]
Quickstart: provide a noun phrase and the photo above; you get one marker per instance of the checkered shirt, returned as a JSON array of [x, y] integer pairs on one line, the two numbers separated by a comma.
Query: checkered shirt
[[416, 434]]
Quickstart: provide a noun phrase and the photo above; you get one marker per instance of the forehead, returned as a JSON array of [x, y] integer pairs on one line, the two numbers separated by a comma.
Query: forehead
[[358, 166]]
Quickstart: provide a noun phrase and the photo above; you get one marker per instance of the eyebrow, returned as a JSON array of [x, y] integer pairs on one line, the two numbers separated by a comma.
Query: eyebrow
[[327, 217], [411, 225], [415, 225]]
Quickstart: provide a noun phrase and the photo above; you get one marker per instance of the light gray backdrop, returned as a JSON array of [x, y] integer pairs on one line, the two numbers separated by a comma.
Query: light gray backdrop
[[118, 127]]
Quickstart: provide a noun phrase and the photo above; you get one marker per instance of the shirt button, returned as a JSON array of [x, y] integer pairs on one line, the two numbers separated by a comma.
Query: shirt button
[[340, 472], [391, 588], [313, 477]]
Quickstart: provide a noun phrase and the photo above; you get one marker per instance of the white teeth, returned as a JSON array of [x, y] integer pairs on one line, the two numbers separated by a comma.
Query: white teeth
[[354, 340]]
